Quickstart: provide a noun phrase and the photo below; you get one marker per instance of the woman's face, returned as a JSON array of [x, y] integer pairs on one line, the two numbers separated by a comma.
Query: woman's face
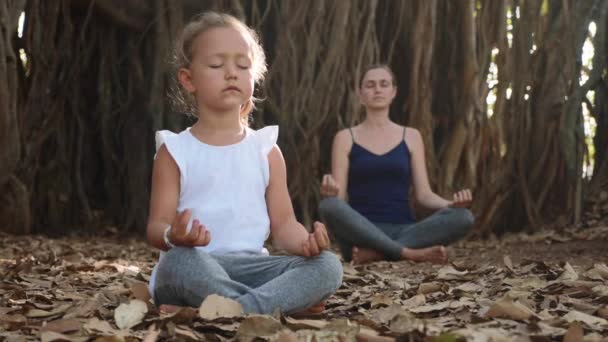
[[377, 90]]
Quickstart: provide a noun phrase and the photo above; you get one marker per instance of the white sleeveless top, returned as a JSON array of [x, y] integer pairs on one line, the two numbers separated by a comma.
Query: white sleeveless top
[[225, 187]]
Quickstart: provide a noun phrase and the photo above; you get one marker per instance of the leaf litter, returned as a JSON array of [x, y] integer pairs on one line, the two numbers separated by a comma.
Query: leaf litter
[[542, 287]]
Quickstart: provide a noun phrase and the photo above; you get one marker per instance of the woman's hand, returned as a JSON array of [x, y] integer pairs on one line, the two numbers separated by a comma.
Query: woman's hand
[[462, 199], [317, 241], [329, 186], [178, 233]]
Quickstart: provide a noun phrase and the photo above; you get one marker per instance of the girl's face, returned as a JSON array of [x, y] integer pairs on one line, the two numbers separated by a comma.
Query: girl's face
[[220, 74], [377, 90]]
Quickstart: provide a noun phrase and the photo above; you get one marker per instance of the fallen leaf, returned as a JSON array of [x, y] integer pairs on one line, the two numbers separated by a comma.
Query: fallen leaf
[[344, 327], [94, 325], [602, 270], [574, 333], [51, 336], [404, 323], [259, 326], [62, 325], [603, 312], [152, 334], [527, 283], [36, 313], [305, 323], [506, 308], [450, 273], [430, 308], [131, 314], [140, 291], [508, 263], [568, 274], [470, 287], [414, 302], [427, 288], [384, 315], [380, 300], [591, 321], [601, 290], [215, 306]]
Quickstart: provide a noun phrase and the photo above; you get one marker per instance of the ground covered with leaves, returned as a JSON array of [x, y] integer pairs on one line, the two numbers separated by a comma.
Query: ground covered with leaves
[[541, 287]]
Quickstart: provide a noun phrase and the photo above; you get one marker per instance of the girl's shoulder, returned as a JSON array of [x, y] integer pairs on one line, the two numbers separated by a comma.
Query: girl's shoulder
[[167, 137], [265, 137]]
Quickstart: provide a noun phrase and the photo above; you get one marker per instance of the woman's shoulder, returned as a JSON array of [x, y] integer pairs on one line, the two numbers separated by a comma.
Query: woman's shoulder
[[411, 132]]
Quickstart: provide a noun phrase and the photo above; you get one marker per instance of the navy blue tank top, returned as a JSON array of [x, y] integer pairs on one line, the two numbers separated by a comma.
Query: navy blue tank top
[[378, 185]]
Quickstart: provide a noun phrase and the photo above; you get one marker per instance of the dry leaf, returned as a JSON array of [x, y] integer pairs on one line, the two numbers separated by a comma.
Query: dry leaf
[[94, 325], [601, 290], [259, 326], [508, 263], [591, 321], [152, 334], [62, 325], [414, 302], [430, 308], [602, 270], [384, 315], [427, 288], [51, 336], [569, 273], [305, 323], [140, 291], [404, 323], [450, 273], [380, 300], [506, 308], [215, 306], [344, 327], [575, 333], [129, 315], [527, 283], [603, 312]]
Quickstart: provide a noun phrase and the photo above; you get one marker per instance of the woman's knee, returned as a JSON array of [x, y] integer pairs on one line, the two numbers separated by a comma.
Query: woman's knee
[[463, 219], [329, 207]]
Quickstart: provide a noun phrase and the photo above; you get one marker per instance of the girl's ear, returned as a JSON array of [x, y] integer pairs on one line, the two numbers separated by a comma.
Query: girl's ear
[[184, 75]]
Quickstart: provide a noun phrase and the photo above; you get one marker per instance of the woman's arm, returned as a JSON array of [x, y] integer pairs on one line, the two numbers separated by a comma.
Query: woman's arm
[[335, 184], [287, 233], [422, 189]]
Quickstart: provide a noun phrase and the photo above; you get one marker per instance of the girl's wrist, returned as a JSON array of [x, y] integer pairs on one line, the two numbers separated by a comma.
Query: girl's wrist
[[166, 237]]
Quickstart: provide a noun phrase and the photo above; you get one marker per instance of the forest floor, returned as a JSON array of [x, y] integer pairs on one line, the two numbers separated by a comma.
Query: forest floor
[[542, 287]]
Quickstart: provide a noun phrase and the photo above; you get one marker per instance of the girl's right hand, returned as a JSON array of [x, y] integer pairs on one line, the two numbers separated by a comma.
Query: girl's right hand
[[329, 186], [179, 235]]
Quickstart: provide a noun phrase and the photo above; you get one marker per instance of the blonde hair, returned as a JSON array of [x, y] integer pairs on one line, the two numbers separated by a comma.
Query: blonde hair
[[184, 52]]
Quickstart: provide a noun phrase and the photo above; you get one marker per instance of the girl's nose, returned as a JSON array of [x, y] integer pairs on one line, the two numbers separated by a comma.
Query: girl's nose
[[230, 72]]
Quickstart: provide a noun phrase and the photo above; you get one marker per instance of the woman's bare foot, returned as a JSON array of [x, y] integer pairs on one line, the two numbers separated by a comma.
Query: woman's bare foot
[[313, 310], [364, 255], [435, 254]]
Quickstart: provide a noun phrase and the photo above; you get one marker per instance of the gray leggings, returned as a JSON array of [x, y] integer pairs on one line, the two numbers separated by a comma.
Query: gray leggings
[[352, 229], [260, 283]]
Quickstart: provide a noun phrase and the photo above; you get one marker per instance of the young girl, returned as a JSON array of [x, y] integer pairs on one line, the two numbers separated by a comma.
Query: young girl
[[219, 190], [374, 164]]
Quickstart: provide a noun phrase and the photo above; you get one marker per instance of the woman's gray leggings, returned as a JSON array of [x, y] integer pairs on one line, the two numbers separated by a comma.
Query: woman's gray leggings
[[350, 228]]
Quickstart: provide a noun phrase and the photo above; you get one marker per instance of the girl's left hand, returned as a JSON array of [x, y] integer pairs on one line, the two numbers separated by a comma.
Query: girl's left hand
[[317, 241], [462, 199]]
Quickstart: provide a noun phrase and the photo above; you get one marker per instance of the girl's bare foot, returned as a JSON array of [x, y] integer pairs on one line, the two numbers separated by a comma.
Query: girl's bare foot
[[365, 255], [168, 308], [435, 254]]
